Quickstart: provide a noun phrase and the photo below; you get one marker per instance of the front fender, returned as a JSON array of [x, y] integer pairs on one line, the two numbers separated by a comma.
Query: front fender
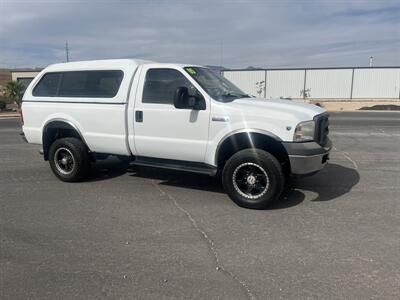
[[215, 144]]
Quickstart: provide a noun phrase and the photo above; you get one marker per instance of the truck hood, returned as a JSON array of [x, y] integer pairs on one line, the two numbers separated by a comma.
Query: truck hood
[[284, 109]]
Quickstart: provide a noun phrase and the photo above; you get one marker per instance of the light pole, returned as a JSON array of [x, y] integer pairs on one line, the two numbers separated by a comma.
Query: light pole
[[371, 61]]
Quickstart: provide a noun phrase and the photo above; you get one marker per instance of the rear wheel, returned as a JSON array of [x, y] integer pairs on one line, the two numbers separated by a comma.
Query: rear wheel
[[253, 178], [69, 159]]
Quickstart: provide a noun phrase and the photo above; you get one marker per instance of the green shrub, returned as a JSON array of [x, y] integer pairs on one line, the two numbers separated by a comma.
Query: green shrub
[[14, 91], [2, 105]]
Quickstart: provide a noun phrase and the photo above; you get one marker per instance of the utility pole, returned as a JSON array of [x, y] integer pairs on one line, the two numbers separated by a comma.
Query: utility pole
[[221, 61], [371, 61], [67, 51]]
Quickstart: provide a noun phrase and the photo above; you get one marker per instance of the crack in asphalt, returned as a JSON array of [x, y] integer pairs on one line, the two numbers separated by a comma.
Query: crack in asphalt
[[210, 242], [347, 156]]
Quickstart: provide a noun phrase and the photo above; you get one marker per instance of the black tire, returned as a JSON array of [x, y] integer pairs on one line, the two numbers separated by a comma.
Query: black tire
[[263, 179], [77, 160]]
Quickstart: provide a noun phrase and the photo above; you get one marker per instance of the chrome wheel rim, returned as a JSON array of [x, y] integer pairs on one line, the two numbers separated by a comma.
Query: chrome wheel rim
[[64, 161], [250, 180]]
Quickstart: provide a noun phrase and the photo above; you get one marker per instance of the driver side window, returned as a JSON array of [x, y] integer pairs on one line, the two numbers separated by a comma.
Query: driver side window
[[160, 86]]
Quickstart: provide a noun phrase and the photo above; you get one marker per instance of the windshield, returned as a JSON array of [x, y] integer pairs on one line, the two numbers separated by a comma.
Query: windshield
[[218, 87]]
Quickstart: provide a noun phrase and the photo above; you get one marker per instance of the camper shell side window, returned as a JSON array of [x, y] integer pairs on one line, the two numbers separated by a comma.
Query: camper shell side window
[[84, 84]]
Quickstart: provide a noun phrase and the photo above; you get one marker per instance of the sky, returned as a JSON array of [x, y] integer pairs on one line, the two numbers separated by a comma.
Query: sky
[[235, 33]]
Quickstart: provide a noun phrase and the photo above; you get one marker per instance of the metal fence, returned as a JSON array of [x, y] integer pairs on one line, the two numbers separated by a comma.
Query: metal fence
[[324, 83]]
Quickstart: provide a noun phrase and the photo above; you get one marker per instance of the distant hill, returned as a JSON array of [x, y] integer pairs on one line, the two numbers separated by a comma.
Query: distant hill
[[216, 69], [5, 76]]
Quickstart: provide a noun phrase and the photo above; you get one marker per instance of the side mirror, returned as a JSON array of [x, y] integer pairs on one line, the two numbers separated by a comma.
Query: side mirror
[[182, 100], [181, 97]]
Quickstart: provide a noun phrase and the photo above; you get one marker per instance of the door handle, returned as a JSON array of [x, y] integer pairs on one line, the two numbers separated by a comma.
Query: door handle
[[139, 116]]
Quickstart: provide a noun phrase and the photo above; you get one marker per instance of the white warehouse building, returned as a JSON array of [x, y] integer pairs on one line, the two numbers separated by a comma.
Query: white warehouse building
[[321, 84]]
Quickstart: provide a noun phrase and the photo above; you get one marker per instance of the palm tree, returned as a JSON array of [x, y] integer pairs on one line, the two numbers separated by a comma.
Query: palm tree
[[14, 90]]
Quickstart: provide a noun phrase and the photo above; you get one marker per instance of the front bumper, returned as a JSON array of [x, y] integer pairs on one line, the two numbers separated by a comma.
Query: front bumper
[[308, 157]]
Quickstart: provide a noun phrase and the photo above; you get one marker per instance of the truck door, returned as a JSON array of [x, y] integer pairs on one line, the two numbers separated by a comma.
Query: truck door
[[161, 130]]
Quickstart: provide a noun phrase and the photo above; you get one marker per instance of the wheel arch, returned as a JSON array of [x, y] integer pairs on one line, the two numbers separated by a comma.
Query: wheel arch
[[245, 139], [58, 128]]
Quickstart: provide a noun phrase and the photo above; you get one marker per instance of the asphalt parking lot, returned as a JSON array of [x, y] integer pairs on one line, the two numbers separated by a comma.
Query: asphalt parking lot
[[153, 234]]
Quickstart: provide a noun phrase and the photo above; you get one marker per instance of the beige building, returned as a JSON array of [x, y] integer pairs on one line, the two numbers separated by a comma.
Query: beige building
[[25, 76]]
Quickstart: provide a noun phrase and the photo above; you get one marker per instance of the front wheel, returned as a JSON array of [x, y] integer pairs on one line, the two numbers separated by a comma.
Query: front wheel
[[69, 159], [253, 178]]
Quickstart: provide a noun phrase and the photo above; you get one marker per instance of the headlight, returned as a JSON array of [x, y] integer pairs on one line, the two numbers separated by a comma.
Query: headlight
[[304, 132]]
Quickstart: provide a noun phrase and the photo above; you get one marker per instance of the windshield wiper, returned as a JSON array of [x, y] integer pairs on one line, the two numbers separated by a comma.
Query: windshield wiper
[[235, 95]]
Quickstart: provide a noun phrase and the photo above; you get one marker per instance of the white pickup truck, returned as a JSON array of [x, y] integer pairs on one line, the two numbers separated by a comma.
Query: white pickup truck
[[173, 116]]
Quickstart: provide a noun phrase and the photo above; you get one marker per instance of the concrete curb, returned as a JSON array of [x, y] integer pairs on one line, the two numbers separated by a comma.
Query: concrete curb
[[8, 116], [355, 105]]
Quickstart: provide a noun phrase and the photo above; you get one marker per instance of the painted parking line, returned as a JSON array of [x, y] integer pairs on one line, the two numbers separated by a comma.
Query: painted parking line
[[363, 134]]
